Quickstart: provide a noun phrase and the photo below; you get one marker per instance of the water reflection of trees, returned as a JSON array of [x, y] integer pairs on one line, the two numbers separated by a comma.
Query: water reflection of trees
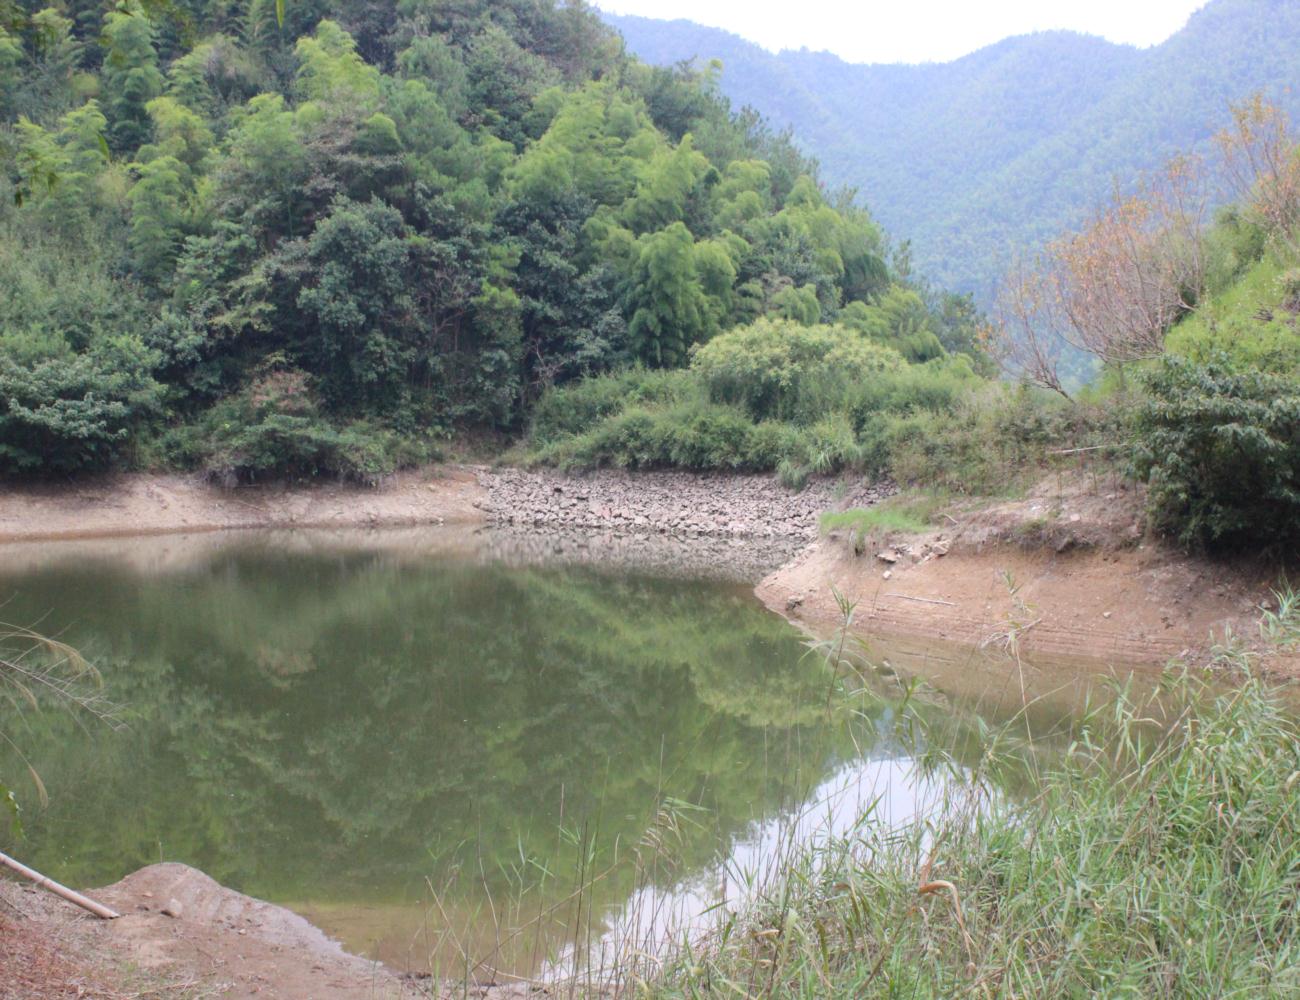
[[332, 726], [330, 729]]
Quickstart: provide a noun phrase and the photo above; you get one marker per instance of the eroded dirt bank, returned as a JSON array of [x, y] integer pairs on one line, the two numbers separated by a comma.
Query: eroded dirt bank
[[1064, 572], [148, 503]]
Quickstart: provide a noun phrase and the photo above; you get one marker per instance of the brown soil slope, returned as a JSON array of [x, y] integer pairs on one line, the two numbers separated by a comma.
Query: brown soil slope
[[1065, 571]]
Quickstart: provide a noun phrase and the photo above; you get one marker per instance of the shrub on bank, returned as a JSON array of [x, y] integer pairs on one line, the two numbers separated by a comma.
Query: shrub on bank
[[778, 370], [936, 386], [581, 405], [992, 438], [275, 430], [67, 413], [1220, 449], [77, 383], [690, 435]]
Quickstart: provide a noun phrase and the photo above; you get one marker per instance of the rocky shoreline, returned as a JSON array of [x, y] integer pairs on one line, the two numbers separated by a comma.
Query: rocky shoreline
[[672, 504], [681, 504]]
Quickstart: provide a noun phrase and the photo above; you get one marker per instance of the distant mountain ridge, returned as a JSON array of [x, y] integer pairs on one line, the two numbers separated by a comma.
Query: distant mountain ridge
[[975, 159]]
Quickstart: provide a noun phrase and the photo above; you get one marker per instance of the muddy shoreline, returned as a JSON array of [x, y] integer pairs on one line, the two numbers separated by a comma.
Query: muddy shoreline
[[607, 502], [1065, 571]]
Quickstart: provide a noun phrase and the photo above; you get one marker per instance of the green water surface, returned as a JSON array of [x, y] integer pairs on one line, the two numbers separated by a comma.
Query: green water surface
[[416, 749]]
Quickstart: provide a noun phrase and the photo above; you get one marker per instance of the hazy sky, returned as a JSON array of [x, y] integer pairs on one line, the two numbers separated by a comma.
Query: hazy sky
[[916, 30]]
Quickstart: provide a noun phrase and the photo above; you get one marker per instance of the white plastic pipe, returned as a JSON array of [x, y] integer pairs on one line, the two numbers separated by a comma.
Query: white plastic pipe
[[98, 909]]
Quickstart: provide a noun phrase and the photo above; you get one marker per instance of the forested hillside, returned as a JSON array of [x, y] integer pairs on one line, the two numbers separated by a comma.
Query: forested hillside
[[976, 159], [295, 238]]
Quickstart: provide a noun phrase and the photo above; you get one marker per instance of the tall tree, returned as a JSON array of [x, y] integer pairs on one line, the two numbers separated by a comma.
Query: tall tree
[[666, 301], [131, 77]]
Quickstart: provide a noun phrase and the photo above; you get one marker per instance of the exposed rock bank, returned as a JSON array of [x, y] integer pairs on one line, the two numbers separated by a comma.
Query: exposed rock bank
[[683, 505], [718, 505]]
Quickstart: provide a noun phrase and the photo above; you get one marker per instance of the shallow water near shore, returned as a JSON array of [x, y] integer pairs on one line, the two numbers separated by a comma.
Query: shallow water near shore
[[473, 755]]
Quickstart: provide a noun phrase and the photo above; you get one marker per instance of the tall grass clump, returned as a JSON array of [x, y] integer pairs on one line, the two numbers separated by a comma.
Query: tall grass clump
[[35, 667], [910, 514], [987, 439], [580, 405], [782, 371], [1159, 857]]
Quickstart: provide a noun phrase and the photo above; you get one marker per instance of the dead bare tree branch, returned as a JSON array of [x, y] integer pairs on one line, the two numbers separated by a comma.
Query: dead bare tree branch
[[1262, 167]]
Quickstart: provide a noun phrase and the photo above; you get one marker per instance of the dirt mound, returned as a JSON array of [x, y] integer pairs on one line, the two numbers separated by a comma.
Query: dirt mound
[[182, 935], [176, 915]]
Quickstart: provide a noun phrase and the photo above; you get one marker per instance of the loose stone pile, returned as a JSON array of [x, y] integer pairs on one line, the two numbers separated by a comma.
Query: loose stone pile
[[672, 503]]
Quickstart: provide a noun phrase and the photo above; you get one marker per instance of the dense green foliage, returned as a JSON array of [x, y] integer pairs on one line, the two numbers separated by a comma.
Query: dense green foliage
[[814, 400], [1216, 433], [1221, 451], [319, 246], [1210, 427], [977, 159], [779, 371], [1251, 313]]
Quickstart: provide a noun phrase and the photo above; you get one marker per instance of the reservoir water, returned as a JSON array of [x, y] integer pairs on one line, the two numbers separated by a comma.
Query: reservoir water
[[448, 758]]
